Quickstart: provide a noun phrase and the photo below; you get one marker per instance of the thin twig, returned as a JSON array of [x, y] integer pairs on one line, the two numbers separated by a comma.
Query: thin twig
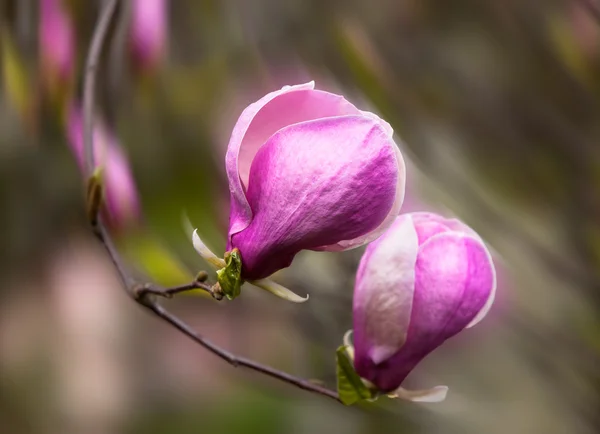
[[236, 361], [169, 292], [143, 293]]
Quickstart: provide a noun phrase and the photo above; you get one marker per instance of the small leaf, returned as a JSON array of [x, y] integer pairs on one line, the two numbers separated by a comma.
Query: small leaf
[[95, 195], [350, 387], [230, 277]]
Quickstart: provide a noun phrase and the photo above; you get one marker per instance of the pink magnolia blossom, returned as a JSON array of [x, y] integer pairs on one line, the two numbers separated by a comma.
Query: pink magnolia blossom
[[308, 170], [121, 195], [422, 282]]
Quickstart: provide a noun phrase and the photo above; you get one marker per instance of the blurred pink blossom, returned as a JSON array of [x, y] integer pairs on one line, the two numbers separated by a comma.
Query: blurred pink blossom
[[56, 44], [122, 201], [148, 33]]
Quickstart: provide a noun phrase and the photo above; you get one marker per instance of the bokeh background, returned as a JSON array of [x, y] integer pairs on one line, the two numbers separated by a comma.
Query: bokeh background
[[497, 106]]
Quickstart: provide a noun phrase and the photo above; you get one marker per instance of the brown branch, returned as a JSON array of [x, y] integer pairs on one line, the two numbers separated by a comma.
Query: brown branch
[[145, 294]]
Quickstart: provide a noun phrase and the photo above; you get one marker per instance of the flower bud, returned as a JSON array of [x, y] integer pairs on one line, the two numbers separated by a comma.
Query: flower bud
[[120, 192], [422, 282], [148, 33], [56, 45], [308, 170]]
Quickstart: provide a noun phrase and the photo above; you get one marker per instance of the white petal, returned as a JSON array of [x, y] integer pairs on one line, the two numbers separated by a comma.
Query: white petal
[[385, 288], [347, 341], [348, 344], [435, 394], [278, 290], [205, 252]]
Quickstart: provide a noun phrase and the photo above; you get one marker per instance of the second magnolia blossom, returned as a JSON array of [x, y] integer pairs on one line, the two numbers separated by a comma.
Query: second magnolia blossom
[[425, 280], [308, 170]]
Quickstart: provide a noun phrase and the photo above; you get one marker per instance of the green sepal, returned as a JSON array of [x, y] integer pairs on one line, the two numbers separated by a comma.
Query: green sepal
[[95, 195], [350, 386], [230, 277]]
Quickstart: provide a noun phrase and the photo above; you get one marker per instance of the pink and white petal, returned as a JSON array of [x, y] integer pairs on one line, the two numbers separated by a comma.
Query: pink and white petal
[[315, 183], [259, 121], [453, 280], [383, 293]]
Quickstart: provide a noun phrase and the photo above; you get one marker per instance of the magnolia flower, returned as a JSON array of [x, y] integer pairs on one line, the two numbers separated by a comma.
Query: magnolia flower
[[425, 280], [122, 202], [308, 170], [56, 44], [148, 32]]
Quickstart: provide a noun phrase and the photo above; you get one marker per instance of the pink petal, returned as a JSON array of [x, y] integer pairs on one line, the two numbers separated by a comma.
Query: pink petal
[[429, 224], [258, 122], [389, 219], [316, 183], [454, 278]]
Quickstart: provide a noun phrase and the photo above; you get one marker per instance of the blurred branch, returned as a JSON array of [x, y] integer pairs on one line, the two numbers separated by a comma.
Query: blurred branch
[[145, 294]]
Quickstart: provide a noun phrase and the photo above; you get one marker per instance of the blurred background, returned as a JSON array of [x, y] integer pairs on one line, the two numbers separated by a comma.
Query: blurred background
[[497, 106]]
